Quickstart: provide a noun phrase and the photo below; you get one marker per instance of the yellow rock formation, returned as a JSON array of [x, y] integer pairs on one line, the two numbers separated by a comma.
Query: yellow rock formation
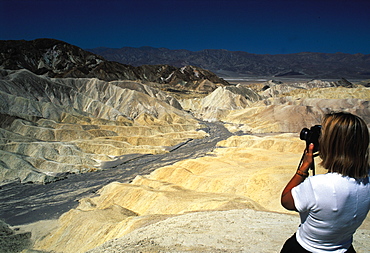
[[244, 172]]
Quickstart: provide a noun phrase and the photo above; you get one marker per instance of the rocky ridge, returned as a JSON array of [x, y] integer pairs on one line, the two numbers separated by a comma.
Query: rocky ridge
[[56, 58]]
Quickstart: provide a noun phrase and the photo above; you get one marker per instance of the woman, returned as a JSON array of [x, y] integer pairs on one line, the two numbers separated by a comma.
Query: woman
[[333, 205]]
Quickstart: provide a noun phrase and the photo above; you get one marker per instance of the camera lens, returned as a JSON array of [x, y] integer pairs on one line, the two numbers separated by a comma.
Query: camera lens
[[304, 134]]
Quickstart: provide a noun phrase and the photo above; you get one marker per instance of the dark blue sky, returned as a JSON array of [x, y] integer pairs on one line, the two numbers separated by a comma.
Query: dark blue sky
[[255, 26]]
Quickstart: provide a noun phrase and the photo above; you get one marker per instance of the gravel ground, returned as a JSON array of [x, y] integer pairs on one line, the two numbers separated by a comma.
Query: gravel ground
[[216, 231]]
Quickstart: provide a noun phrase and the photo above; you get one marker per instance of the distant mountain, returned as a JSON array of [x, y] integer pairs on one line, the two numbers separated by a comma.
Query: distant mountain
[[56, 58], [237, 63]]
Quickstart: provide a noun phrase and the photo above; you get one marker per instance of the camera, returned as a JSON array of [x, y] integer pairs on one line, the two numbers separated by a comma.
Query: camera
[[311, 136]]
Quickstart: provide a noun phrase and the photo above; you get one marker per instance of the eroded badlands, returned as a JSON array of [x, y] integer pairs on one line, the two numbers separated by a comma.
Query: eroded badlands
[[225, 201], [52, 127]]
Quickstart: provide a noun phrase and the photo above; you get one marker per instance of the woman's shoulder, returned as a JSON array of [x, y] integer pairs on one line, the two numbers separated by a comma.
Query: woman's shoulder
[[327, 175], [334, 177], [328, 178]]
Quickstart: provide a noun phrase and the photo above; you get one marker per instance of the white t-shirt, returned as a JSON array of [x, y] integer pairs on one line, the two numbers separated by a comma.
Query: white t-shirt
[[331, 207]]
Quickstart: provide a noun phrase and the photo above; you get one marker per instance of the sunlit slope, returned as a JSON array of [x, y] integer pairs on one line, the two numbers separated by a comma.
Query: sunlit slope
[[274, 108], [245, 172], [242, 174]]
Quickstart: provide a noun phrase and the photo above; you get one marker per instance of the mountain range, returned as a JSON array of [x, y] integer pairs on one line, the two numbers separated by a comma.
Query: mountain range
[[54, 58], [240, 64]]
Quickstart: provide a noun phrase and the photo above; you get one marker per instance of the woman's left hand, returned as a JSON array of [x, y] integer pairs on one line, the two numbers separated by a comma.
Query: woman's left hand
[[287, 200], [308, 159]]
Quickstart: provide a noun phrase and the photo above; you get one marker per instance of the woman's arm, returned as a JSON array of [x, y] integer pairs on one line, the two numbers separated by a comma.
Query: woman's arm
[[287, 200]]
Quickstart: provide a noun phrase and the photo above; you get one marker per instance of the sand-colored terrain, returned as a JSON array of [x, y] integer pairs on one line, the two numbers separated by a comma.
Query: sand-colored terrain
[[52, 127], [228, 201], [225, 201]]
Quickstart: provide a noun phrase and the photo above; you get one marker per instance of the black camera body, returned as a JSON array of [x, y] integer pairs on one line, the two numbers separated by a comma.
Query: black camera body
[[311, 136]]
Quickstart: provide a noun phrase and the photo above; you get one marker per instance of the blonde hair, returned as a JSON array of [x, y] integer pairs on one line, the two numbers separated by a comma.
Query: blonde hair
[[344, 145]]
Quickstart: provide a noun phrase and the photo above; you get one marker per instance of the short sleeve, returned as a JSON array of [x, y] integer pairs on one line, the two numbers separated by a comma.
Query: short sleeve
[[303, 195]]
